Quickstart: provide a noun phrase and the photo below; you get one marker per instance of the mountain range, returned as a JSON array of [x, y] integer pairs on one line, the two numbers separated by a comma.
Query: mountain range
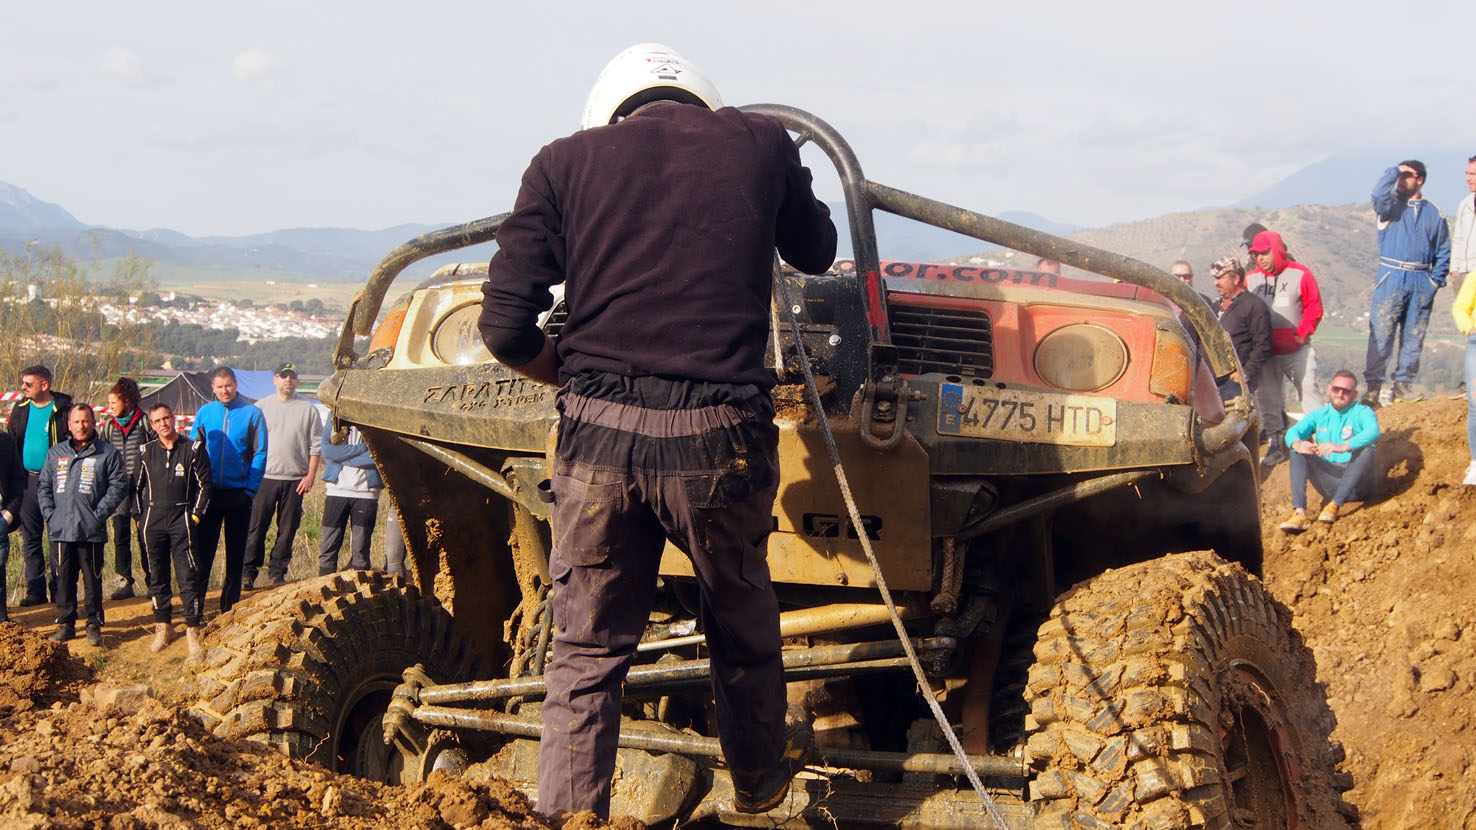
[[348, 255]]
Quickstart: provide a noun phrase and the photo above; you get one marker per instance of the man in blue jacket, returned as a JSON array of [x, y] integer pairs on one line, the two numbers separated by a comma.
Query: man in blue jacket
[[1414, 258], [235, 436], [82, 482], [1333, 445]]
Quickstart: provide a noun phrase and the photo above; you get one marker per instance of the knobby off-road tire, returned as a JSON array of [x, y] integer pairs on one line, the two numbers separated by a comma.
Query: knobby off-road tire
[[1174, 694], [308, 668]]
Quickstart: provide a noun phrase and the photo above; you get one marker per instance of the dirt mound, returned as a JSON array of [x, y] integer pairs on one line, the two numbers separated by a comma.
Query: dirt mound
[[34, 669], [101, 755], [1383, 599]]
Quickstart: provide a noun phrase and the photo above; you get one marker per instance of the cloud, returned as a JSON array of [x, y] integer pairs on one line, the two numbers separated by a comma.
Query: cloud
[[257, 66], [123, 66]]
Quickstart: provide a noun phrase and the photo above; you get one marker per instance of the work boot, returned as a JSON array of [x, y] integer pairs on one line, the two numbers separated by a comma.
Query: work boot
[[770, 788], [163, 636], [1275, 451], [1404, 393], [31, 599], [94, 635], [1386, 396], [1372, 394], [192, 642], [123, 588], [63, 632]]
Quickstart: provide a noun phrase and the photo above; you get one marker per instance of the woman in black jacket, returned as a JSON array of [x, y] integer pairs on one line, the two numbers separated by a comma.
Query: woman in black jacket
[[127, 429]]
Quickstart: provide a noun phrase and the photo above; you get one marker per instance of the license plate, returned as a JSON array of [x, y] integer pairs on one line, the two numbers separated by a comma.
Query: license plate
[[1034, 417]]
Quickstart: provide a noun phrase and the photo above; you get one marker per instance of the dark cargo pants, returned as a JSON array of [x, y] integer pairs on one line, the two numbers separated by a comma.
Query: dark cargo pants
[[609, 527], [276, 499]]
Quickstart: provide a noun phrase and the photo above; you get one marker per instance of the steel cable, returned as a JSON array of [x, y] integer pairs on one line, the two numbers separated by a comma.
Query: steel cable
[[840, 477]]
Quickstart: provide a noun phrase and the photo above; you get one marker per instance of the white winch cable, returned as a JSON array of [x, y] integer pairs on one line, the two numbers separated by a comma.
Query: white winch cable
[[840, 477]]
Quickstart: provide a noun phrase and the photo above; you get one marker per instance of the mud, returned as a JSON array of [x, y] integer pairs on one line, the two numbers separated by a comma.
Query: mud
[[1383, 597], [75, 753]]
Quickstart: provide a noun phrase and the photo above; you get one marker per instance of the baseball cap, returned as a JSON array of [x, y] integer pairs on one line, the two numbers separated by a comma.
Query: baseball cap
[[287, 370]]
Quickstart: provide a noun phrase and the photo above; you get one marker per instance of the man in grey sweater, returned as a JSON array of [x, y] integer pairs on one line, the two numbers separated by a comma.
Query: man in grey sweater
[[292, 466]]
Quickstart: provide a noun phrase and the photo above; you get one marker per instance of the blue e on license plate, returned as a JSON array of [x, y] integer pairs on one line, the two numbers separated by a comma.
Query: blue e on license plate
[[1036, 417]]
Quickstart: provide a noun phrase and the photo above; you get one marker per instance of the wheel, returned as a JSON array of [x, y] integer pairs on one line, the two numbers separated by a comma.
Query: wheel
[[309, 668], [1173, 693]]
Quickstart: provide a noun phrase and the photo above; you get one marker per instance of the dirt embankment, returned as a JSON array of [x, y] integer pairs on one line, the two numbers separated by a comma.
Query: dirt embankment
[[1384, 598], [75, 753]]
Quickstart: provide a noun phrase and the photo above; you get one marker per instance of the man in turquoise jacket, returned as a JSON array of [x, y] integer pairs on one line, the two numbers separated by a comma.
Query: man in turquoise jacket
[[1333, 446]]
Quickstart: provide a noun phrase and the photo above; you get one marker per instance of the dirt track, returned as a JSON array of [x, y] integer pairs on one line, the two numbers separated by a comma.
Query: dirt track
[[1381, 596]]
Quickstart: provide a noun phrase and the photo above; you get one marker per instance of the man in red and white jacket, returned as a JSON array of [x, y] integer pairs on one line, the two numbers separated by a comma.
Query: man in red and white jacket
[[1296, 308]]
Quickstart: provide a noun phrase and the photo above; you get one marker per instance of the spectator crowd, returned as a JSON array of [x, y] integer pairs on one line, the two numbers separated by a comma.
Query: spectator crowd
[[69, 484], [1271, 305]]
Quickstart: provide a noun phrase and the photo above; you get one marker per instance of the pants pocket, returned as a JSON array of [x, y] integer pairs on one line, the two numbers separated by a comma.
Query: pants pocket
[[587, 511]]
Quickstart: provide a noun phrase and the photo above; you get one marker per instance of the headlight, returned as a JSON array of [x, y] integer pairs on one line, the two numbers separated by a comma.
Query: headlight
[[1173, 366], [1081, 358], [457, 341], [388, 332]]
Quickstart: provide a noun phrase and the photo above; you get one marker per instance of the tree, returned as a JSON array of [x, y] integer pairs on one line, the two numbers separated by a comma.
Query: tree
[[62, 326]]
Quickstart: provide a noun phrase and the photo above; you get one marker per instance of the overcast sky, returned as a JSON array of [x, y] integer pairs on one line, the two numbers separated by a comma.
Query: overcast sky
[[239, 118]]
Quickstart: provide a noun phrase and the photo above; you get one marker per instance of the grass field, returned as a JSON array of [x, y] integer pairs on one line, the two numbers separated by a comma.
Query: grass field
[[259, 285]]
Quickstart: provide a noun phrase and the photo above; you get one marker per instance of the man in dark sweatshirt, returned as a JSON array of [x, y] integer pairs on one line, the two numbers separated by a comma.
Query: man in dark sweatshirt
[[1248, 322], [660, 218]]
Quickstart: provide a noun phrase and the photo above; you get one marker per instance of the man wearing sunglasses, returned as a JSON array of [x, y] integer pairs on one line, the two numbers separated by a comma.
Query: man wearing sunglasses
[[1333, 446]]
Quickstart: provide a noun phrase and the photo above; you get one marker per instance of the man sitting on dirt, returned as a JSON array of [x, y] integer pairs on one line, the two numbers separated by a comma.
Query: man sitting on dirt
[[661, 218], [1333, 445]]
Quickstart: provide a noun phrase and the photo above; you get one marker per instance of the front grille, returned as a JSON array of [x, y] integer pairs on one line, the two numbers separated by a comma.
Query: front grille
[[948, 340]]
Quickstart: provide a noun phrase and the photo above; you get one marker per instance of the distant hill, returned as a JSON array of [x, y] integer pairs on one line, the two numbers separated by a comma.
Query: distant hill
[[325, 254], [1339, 244], [20, 211], [1341, 180]]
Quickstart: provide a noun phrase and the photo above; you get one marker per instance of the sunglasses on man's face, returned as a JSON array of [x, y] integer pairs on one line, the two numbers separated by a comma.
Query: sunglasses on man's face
[[1346, 390]]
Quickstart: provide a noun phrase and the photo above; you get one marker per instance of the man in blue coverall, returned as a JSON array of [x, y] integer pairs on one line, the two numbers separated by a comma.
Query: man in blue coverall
[[1414, 258], [1333, 446]]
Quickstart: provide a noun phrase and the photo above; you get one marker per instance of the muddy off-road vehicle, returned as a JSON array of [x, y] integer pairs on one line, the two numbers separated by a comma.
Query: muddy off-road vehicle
[[1041, 466]]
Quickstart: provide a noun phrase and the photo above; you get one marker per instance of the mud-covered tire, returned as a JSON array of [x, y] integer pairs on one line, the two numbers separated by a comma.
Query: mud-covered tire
[[1173, 694], [308, 668]]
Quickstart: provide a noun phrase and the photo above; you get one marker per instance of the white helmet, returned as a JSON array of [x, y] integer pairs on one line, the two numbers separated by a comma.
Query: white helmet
[[643, 73]]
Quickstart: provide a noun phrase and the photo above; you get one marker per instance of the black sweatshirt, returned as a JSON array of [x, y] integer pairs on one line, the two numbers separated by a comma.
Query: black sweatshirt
[[1247, 319], [663, 228]]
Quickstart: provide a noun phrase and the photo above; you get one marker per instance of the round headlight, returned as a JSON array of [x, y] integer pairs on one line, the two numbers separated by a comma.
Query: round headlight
[[457, 341], [1081, 357]]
